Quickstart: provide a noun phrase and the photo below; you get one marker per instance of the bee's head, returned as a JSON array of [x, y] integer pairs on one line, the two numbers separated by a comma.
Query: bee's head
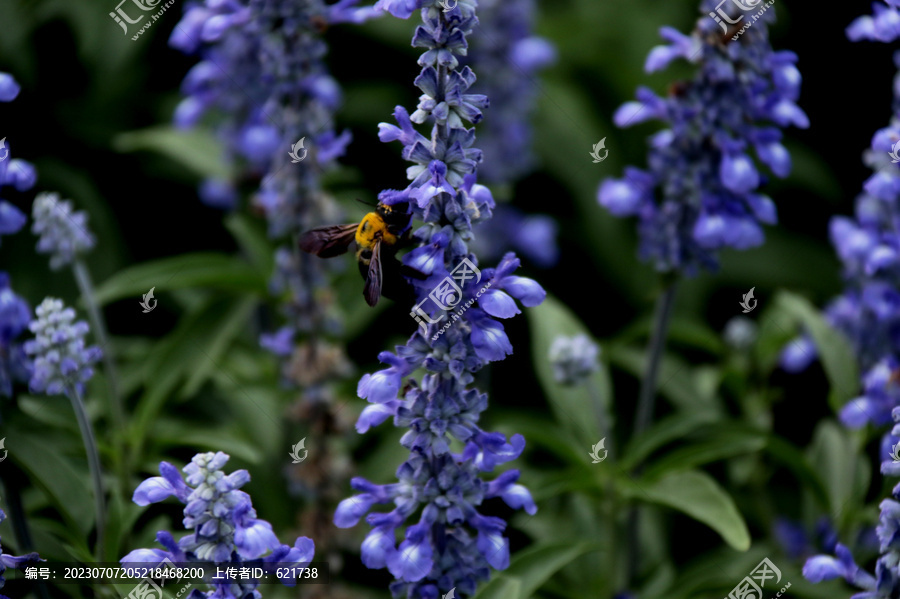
[[394, 214]]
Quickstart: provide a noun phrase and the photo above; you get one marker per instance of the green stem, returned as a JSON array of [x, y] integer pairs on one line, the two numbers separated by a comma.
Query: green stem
[[647, 397], [90, 446], [646, 404], [83, 277]]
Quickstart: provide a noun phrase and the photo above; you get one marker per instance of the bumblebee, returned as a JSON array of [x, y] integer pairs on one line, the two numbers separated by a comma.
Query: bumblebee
[[378, 238]]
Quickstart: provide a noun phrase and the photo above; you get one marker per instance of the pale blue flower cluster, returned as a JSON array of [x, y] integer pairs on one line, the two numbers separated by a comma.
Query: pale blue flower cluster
[[223, 524], [63, 363], [63, 233], [573, 359]]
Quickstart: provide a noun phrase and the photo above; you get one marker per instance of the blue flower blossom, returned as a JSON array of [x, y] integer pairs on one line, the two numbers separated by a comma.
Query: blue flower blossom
[[11, 561], [62, 361], [446, 542], [13, 172], [224, 526], [63, 233], [700, 193], [15, 316]]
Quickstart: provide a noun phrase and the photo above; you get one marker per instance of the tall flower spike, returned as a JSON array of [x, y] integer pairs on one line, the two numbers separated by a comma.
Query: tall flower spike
[[11, 561], [451, 545], [223, 524], [15, 316], [869, 249], [62, 361], [701, 191], [263, 86], [63, 232], [866, 313]]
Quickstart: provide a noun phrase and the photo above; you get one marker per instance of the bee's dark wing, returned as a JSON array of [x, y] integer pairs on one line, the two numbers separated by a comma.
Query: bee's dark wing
[[330, 241], [372, 290]]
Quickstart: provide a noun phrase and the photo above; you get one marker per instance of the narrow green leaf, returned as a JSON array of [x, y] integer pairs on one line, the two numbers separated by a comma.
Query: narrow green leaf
[[531, 568], [833, 348], [501, 587], [698, 495], [676, 378], [43, 459], [171, 432], [251, 237], [664, 431], [217, 271], [719, 447], [231, 323], [196, 149], [831, 453]]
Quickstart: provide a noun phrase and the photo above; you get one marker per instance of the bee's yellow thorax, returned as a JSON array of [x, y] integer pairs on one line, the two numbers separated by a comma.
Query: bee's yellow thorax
[[371, 229]]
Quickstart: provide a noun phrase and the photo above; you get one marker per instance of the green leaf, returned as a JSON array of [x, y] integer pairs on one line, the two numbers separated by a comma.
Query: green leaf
[[171, 432], [833, 348], [196, 149], [664, 431], [677, 381], [217, 271], [580, 408], [531, 568], [42, 458], [252, 239], [832, 454], [182, 354], [721, 445], [698, 495], [231, 323]]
